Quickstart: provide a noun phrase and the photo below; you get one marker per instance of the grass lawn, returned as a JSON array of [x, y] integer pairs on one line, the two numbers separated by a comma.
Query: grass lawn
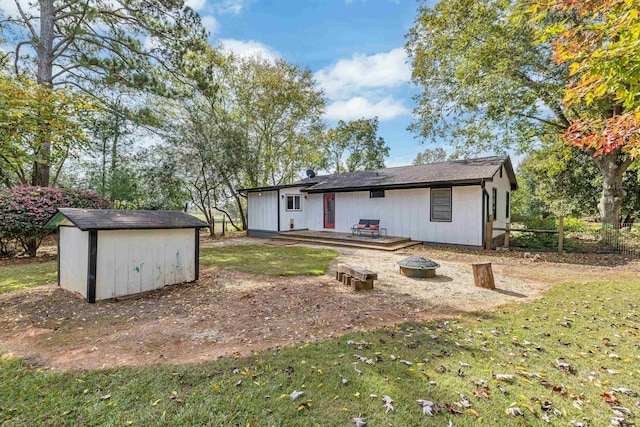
[[270, 260], [26, 275], [567, 352]]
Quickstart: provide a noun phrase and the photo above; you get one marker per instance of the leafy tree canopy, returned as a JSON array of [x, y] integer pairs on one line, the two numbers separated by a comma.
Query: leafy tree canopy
[[357, 139]]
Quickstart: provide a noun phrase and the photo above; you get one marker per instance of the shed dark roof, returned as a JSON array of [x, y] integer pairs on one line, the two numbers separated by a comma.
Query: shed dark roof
[[470, 171], [114, 219]]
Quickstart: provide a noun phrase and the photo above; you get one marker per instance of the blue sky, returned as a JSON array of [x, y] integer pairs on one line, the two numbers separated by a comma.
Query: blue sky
[[353, 47]]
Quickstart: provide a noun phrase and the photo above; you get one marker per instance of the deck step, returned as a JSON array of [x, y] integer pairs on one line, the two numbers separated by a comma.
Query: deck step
[[351, 244]]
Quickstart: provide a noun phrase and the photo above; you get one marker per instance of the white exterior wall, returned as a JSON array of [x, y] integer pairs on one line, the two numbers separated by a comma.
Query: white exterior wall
[[134, 261], [74, 259], [502, 185], [263, 210], [406, 213], [299, 217]]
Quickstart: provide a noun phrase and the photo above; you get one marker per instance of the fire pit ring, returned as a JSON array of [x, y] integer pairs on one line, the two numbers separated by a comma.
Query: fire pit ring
[[418, 267]]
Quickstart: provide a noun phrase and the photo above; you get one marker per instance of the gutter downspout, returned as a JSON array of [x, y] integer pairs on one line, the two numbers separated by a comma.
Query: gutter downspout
[[485, 196], [278, 205]]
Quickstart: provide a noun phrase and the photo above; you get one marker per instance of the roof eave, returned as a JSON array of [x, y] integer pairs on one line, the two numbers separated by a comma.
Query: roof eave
[[408, 186]]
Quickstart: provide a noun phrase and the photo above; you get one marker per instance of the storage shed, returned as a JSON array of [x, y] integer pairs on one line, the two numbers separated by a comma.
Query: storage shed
[[108, 253]]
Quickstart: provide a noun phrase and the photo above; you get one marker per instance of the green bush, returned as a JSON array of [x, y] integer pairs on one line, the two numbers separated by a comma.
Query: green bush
[[24, 211]]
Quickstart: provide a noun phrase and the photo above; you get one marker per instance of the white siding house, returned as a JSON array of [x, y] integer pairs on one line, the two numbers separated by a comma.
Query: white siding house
[[104, 253], [444, 203]]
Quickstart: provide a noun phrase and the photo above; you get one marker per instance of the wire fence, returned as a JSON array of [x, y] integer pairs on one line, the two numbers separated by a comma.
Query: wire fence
[[621, 239]]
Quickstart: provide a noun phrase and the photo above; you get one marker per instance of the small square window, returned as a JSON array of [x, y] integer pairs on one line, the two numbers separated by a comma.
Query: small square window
[[374, 194], [294, 202]]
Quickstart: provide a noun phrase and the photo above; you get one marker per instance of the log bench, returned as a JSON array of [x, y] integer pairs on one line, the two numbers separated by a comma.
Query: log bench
[[357, 277]]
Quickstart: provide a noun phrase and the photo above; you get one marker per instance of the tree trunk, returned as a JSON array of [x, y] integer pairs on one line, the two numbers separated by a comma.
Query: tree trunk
[[612, 170], [42, 164]]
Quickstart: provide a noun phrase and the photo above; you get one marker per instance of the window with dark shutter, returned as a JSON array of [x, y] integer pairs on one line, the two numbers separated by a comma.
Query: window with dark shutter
[[374, 194], [508, 203], [494, 203], [441, 204]]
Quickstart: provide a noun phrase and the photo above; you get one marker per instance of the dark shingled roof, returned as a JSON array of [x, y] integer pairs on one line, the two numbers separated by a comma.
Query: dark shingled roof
[[470, 171], [114, 219]]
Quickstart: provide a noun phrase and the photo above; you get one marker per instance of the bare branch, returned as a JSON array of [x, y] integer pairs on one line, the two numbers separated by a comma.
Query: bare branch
[[17, 58], [26, 20]]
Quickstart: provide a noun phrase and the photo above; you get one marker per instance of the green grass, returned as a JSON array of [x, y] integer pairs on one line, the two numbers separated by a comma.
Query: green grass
[[257, 393], [26, 275], [269, 260]]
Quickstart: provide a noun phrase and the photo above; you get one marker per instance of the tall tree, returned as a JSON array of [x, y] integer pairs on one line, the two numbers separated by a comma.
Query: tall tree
[[25, 107], [359, 141], [601, 45], [489, 85], [430, 155], [259, 127], [278, 109], [76, 43]]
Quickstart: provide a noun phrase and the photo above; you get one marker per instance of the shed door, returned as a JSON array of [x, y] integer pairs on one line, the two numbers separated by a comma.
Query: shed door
[[329, 211]]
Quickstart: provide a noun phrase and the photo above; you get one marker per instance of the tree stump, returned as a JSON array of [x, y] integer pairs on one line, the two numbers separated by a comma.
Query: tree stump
[[483, 275]]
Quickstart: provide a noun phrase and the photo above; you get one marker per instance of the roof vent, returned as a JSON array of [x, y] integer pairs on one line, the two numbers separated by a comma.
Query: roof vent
[[311, 173]]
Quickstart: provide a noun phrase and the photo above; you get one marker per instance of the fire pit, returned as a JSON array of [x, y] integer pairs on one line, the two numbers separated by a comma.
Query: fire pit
[[419, 267]]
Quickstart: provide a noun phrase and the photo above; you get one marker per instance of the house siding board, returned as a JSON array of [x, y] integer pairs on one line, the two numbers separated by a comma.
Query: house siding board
[[136, 261], [406, 213], [299, 217], [74, 259], [263, 210]]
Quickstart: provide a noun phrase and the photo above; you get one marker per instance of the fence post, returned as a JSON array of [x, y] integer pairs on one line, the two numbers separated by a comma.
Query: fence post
[[489, 233], [212, 226], [506, 235], [560, 234]]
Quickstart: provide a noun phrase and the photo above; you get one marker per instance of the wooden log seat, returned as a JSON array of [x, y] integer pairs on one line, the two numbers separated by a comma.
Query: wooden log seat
[[357, 278]]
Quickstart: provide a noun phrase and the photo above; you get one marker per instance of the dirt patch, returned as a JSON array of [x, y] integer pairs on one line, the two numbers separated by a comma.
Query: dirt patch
[[233, 314]]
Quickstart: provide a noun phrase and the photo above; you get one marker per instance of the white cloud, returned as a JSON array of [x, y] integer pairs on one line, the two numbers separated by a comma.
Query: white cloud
[[195, 4], [249, 48], [349, 76], [231, 6], [359, 107], [210, 24]]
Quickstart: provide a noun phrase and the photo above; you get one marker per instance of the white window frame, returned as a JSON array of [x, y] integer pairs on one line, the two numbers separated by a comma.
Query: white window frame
[[293, 202]]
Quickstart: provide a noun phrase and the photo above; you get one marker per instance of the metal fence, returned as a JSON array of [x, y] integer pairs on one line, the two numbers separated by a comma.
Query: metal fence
[[623, 239]]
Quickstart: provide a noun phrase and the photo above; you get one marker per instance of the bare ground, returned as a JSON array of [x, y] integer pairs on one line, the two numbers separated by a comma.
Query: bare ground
[[233, 314]]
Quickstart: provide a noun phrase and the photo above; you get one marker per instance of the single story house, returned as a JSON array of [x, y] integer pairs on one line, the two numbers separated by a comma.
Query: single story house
[[108, 253], [445, 203]]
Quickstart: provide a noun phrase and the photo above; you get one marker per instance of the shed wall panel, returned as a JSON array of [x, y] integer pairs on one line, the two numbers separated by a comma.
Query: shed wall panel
[[133, 261], [263, 210], [74, 259]]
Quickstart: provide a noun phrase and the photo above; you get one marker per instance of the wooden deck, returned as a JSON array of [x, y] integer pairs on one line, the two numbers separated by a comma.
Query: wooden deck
[[390, 243]]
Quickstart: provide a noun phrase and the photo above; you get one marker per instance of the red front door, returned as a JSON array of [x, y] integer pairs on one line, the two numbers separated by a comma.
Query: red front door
[[329, 211]]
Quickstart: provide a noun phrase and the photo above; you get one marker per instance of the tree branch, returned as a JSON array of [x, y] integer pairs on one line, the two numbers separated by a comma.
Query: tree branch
[[26, 20], [17, 58]]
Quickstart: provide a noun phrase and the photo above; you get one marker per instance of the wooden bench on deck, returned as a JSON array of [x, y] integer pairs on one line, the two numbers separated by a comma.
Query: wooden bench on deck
[[357, 277]]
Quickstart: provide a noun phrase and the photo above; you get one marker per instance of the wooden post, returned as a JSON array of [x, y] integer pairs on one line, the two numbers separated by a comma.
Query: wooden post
[[483, 275], [489, 233], [506, 235], [212, 226], [560, 234]]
